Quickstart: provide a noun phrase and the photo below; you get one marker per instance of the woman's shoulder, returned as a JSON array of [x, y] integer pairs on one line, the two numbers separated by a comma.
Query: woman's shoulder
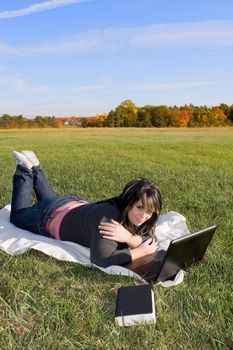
[[108, 203], [109, 208]]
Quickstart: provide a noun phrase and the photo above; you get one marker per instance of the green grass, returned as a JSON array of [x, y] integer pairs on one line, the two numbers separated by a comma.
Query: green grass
[[49, 304]]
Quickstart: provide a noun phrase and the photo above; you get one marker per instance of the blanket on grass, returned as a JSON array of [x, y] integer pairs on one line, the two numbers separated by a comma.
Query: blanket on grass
[[14, 241]]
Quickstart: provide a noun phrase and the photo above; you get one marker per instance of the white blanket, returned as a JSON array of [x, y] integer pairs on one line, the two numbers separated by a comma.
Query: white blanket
[[16, 241]]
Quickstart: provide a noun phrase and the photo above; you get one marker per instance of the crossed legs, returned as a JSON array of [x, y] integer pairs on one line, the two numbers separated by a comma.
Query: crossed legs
[[28, 177]]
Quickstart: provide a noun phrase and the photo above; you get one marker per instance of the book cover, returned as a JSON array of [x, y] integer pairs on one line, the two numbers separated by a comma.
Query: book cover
[[135, 305]]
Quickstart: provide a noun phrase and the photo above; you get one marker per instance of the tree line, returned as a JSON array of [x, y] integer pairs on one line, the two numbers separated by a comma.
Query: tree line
[[127, 114]]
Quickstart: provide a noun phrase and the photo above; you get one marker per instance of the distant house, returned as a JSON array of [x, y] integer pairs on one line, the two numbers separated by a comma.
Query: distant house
[[72, 123]]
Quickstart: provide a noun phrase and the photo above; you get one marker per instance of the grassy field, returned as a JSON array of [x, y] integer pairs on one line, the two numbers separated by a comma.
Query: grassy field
[[49, 304]]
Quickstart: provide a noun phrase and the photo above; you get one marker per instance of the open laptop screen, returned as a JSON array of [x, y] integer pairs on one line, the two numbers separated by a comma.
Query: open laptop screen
[[182, 252]]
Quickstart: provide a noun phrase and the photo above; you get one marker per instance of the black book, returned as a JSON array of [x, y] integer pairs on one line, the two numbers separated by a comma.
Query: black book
[[135, 305]]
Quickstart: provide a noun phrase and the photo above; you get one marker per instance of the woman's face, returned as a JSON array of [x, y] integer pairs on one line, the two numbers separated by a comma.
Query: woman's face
[[137, 215]]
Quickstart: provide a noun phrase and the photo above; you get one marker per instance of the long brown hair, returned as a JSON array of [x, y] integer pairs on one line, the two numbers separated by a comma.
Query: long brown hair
[[149, 194]]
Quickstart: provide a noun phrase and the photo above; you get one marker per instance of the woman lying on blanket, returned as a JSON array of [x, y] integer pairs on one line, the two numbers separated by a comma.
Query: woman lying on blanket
[[117, 230]]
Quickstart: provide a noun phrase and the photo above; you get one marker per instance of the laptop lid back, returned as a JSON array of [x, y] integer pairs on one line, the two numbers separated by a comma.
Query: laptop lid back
[[185, 251]]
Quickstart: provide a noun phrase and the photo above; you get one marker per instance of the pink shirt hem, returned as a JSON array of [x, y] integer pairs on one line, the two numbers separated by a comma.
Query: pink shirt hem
[[64, 210]]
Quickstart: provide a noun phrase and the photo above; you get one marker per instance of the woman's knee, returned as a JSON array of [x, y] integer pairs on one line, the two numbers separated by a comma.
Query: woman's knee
[[16, 218], [13, 219]]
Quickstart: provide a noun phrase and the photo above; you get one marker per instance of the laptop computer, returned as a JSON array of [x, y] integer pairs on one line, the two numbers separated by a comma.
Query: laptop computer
[[181, 254]]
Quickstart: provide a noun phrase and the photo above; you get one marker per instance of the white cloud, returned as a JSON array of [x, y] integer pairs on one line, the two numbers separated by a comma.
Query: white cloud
[[32, 99], [13, 83], [41, 6], [176, 35], [3, 67], [190, 34], [6, 49], [172, 85], [18, 84]]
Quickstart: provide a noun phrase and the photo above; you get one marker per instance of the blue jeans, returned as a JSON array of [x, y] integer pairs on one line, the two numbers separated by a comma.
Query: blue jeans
[[34, 217]]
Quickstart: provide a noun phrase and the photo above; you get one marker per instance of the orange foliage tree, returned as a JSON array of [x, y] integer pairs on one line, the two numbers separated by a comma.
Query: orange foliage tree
[[182, 118]]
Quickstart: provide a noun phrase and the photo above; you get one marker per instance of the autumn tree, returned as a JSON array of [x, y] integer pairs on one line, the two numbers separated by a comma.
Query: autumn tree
[[100, 120], [110, 120], [200, 117], [230, 115], [161, 116], [181, 118], [124, 115], [217, 117], [7, 121], [225, 108], [143, 118]]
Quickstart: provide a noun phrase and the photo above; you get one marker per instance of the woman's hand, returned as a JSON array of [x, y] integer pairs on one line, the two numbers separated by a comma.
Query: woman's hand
[[114, 232], [149, 246]]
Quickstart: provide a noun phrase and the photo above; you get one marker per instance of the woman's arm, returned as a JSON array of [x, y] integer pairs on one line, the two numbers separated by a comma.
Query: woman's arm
[[114, 231], [105, 252], [150, 246], [104, 246]]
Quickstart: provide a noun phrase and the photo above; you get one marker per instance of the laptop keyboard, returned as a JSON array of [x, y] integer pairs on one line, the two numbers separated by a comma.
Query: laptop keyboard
[[150, 270]]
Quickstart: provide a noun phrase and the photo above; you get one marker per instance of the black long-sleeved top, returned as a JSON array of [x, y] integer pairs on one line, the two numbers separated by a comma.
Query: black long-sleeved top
[[80, 225]]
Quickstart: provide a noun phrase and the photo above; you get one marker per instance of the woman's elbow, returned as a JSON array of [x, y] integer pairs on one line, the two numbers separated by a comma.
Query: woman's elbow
[[100, 261]]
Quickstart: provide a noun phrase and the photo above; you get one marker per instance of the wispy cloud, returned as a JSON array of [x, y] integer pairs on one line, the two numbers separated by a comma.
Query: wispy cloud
[[191, 34], [177, 35], [6, 49], [172, 85], [13, 83], [41, 6], [79, 99], [17, 83]]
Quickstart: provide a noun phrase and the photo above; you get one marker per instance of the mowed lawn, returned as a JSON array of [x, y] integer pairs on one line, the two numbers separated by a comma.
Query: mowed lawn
[[49, 304]]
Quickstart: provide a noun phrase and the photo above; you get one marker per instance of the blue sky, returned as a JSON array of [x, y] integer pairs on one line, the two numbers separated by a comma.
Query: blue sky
[[84, 57]]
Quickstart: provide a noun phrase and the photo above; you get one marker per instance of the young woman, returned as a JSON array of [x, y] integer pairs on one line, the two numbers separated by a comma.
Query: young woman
[[117, 230]]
